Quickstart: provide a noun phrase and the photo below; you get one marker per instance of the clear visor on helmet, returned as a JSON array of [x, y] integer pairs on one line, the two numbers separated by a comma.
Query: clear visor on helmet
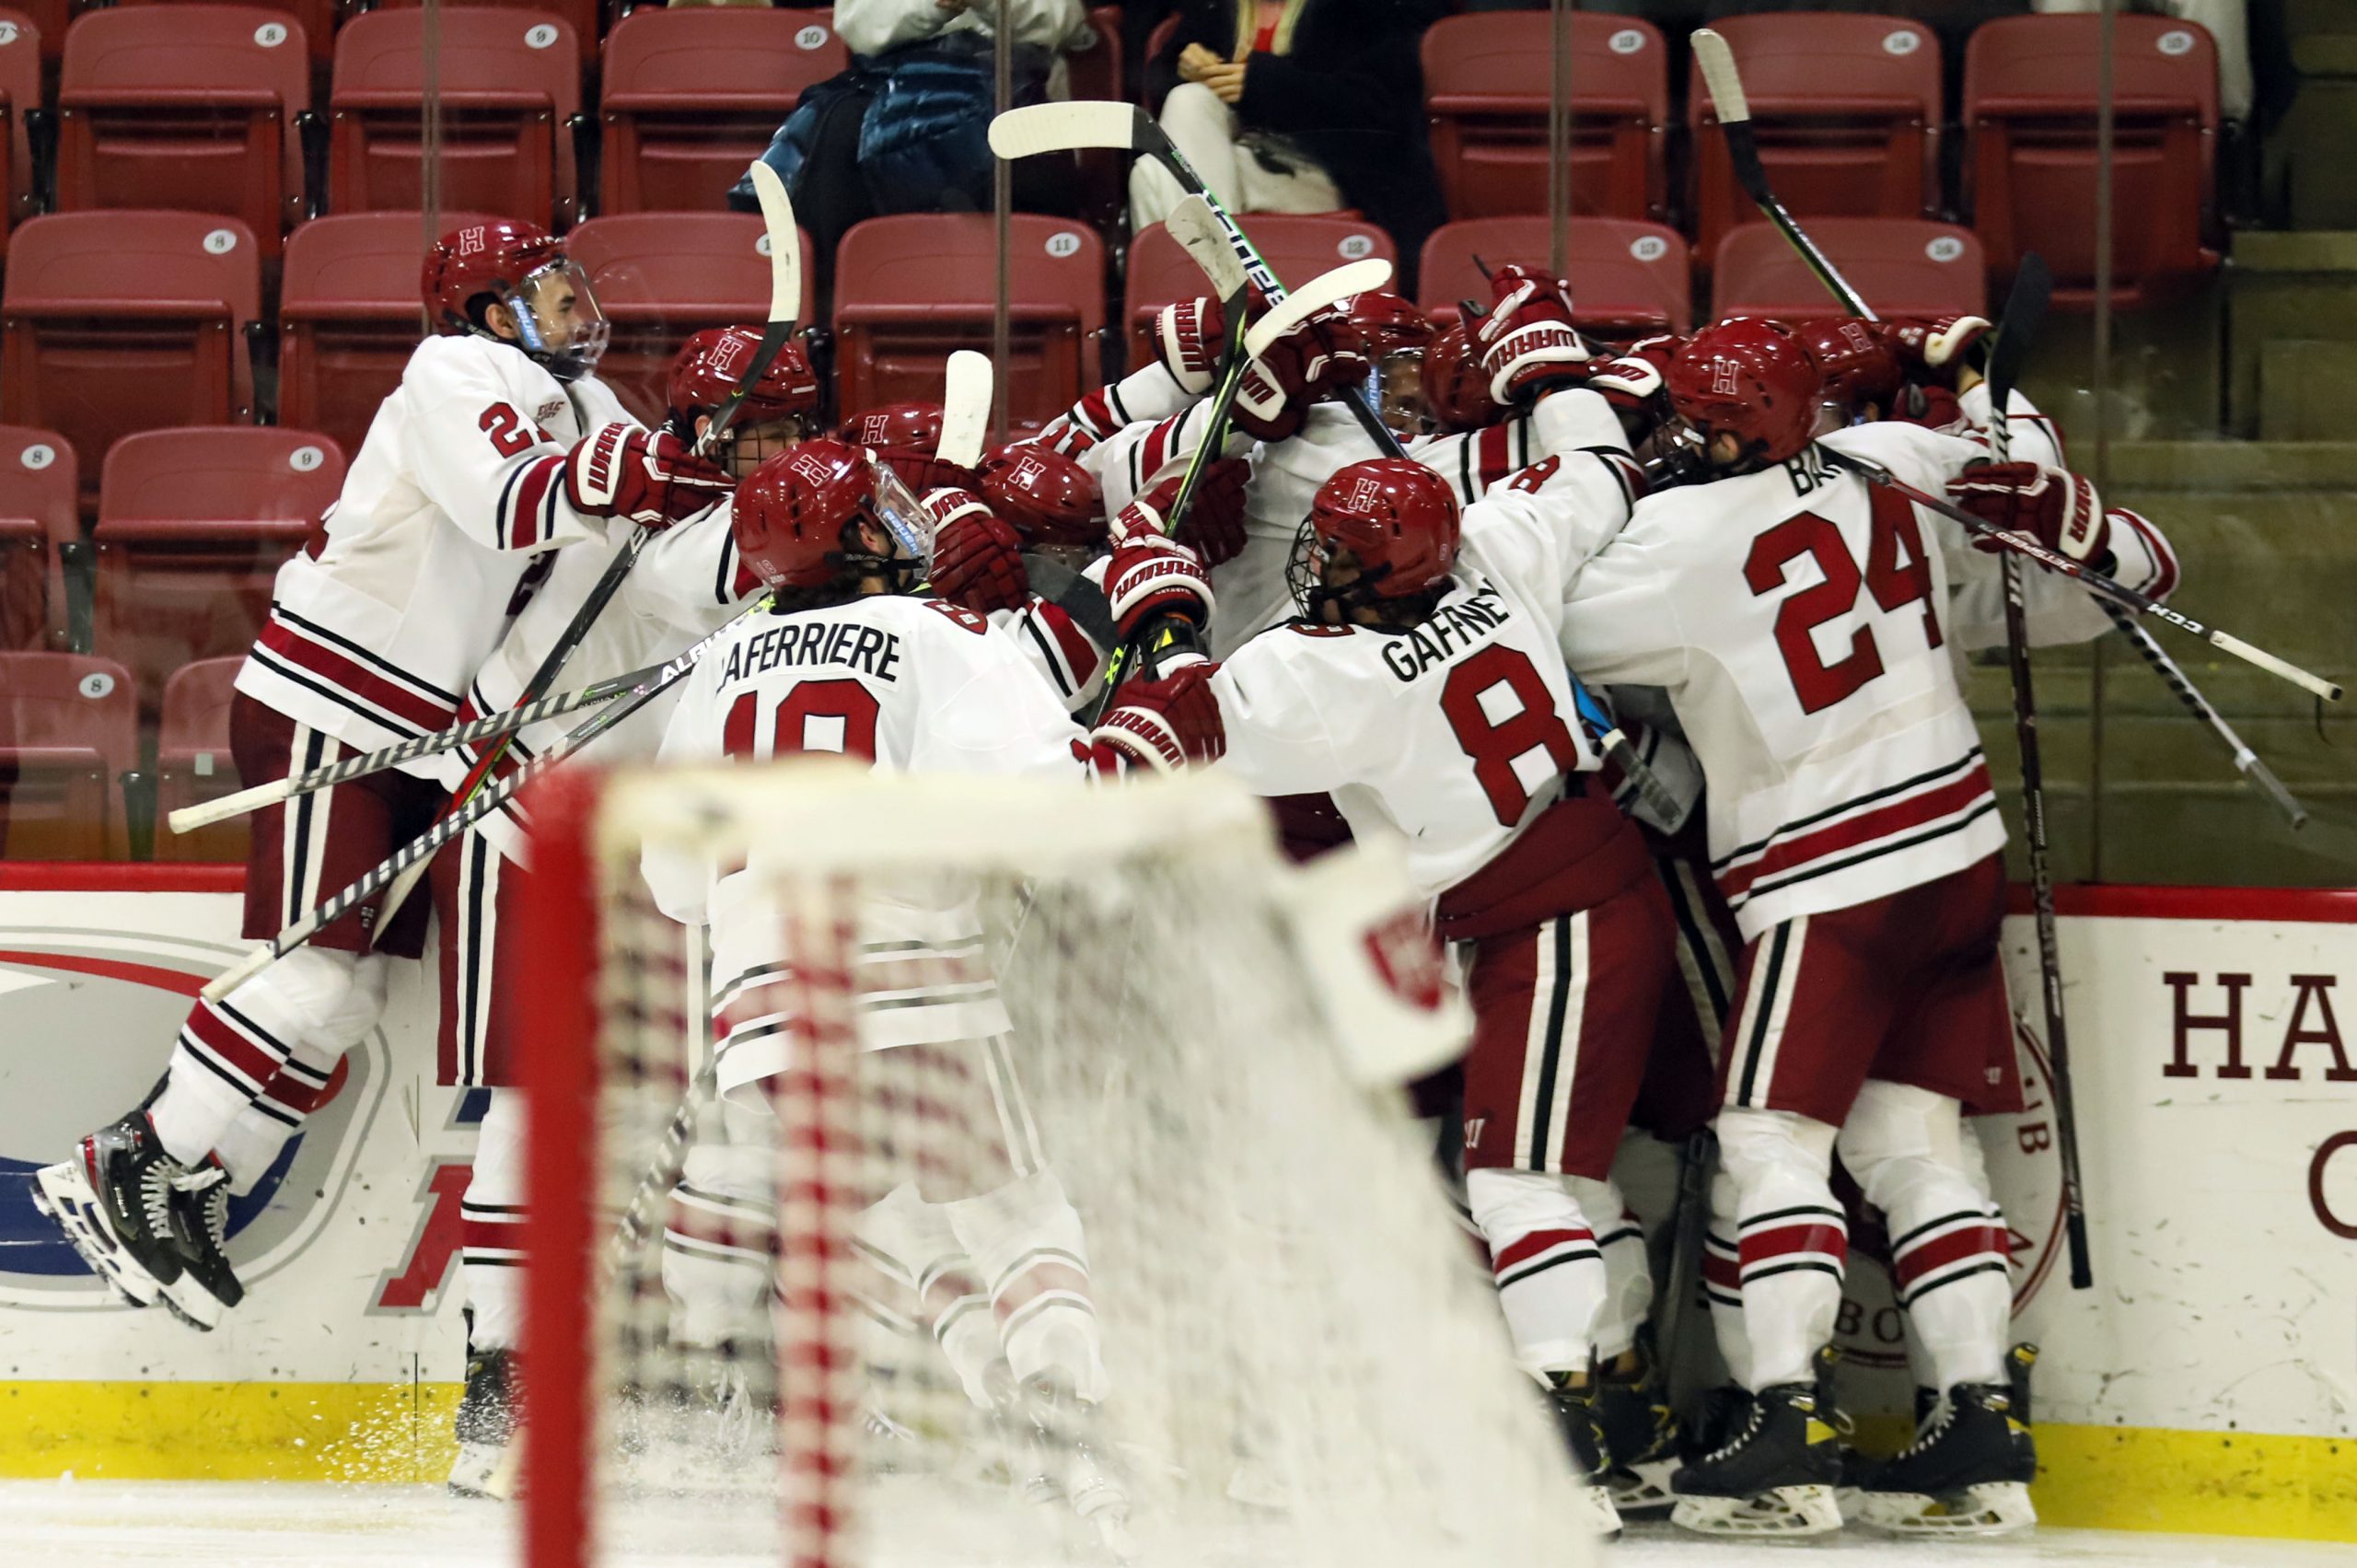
[[557, 318], [1395, 387], [903, 517]]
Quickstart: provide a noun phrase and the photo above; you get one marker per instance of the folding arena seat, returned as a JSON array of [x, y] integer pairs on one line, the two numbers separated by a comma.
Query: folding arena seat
[[510, 97], [349, 317], [692, 96], [192, 527], [2029, 114], [1296, 246], [192, 760], [194, 108], [1845, 108], [69, 730], [39, 520], [1902, 266], [1628, 276], [20, 69], [585, 17], [660, 276], [120, 322], [1488, 80], [909, 289]]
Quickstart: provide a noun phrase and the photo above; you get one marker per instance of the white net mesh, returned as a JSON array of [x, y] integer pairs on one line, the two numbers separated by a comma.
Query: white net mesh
[[1039, 1219]]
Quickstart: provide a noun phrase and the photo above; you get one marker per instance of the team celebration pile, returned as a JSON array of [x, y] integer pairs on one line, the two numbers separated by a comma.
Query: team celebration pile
[[1634, 661]]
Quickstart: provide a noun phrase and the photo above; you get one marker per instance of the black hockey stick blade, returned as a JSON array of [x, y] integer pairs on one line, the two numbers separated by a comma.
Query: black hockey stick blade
[[2016, 331]]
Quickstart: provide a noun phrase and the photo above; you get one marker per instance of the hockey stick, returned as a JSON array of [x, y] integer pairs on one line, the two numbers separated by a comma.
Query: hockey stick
[[965, 408], [2093, 581], [1726, 83], [2024, 311], [451, 824], [785, 305]]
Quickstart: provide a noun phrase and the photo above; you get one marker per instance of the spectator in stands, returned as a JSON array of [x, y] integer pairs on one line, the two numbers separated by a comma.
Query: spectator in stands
[[1305, 106], [2228, 22]]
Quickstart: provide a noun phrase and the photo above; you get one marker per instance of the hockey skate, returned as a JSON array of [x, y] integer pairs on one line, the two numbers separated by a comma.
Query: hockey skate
[[1968, 1470], [1575, 1418], [1776, 1475], [1068, 1461], [134, 1214], [1641, 1436], [486, 1426]]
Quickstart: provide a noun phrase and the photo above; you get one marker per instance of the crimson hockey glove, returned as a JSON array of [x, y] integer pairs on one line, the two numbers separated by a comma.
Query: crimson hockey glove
[[1323, 352], [976, 558], [1189, 336], [649, 476], [1158, 725], [1933, 352], [2060, 510], [1527, 343], [1213, 525], [1153, 578]]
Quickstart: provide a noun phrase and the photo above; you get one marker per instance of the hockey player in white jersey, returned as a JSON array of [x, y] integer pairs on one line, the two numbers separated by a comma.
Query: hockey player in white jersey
[[498, 448], [1799, 620], [684, 584], [851, 661]]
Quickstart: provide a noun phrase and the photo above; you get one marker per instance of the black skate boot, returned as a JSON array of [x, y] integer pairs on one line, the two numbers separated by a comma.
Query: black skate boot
[[207, 1288], [1641, 1435], [1575, 1418], [1776, 1475], [113, 1200], [1070, 1461], [486, 1426], [1968, 1470]]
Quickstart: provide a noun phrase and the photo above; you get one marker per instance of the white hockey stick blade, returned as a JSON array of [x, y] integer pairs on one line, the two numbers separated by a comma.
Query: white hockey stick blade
[[1717, 63], [204, 813], [965, 408], [785, 243], [1064, 127], [1325, 288], [1199, 233]]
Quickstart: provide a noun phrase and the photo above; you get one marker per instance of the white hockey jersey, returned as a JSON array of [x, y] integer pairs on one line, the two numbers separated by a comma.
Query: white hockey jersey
[[1457, 735], [447, 515], [1576, 428], [1799, 620], [915, 686]]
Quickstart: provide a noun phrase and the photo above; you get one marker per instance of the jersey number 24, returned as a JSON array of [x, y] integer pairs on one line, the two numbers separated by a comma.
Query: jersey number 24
[[812, 713], [1895, 574]]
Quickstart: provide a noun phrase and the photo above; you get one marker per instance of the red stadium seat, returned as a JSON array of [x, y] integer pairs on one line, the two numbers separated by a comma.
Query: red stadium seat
[[192, 527], [510, 88], [585, 17], [2030, 112], [692, 96], [1845, 108], [1296, 246], [120, 321], [1628, 276], [1904, 267], [20, 66], [69, 730], [1488, 81], [192, 760], [660, 276], [910, 288], [187, 107], [39, 516], [318, 19], [349, 317]]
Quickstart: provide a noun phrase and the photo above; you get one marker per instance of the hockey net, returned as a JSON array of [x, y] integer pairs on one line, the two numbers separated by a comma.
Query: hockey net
[[894, 1260]]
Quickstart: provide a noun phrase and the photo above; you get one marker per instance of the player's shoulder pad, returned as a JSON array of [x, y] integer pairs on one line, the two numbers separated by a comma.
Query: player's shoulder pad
[[959, 614]]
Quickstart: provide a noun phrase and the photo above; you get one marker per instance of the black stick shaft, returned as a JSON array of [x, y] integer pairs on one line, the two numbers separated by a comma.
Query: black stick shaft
[[2246, 761]]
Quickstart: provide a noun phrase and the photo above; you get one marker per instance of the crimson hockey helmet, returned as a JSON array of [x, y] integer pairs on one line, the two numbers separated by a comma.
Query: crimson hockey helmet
[[1399, 521], [905, 437], [711, 363], [1860, 370], [1753, 379], [1392, 323], [796, 519], [558, 324], [1457, 392], [1045, 496]]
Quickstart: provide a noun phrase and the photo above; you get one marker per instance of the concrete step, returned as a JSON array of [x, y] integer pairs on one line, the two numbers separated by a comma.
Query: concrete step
[[2297, 289]]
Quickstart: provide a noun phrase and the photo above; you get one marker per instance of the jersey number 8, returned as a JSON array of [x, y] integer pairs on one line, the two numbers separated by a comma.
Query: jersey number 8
[[846, 703], [1897, 572], [1496, 745]]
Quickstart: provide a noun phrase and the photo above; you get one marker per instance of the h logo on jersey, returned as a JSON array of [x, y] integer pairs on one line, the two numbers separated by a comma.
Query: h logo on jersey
[[1407, 959], [1722, 383], [471, 240]]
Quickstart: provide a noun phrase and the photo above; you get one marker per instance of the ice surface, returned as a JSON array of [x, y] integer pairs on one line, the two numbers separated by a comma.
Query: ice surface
[[218, 1525]]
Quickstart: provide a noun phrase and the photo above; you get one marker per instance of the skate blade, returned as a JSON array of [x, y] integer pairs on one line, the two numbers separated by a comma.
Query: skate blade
[[1993, 1508], [193, 1305], [1594, 1515], [481, 1468], [1780, 1511], [1643, 1487], [62, 1195]]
